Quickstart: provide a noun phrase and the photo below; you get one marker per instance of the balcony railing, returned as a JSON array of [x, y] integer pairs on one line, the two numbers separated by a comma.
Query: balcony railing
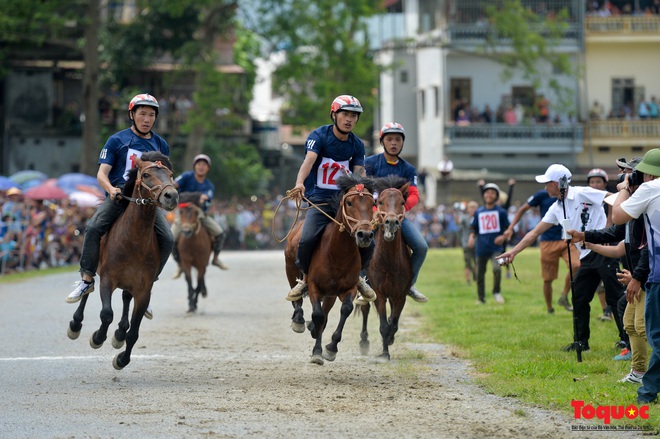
[[478, 32], [625, 129], [624, 24], [503, 133]]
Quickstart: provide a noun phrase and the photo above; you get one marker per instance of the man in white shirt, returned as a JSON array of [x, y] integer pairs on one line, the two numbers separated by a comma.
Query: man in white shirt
[[646, 201], [582, 207]]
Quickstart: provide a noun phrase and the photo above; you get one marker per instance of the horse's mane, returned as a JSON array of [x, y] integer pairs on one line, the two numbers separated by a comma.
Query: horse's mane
[[151, 156], [391, 181], [346, 182], [190, 197]]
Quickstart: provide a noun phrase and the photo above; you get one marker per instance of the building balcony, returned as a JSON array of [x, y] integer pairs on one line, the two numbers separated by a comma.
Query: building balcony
[[519, 148], [622, 28], [645, 133], [476, 34]]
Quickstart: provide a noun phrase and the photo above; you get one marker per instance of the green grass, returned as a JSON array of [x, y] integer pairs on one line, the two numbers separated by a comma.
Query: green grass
[[18, 277], [515, 347]]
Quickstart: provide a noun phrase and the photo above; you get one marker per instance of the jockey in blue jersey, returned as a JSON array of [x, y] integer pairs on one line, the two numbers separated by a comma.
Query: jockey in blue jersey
[[196, 181], [331, 151], [115, 160], [392, 137]]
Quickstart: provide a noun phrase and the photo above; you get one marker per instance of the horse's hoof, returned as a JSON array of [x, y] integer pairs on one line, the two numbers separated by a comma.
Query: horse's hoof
[[329, 355], [93, 344], [383, 358], [364, 347], [317, 359], [117, 344], [115, 362], [72, 334], [191, 310], [298, 327]]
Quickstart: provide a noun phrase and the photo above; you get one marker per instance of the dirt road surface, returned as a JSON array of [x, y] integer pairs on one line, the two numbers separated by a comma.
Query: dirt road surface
[[235, 369]]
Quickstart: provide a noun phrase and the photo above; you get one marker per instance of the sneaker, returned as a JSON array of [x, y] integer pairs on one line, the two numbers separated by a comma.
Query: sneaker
[[218, 263], [606, 317], [417, 296], [297, 292], [149, 314], [621, 345], [626, 354], [177, 273], [480, 302], [632, 377], [365, 290], [573, 346], [82, 289], [498, 298], [563, 301]]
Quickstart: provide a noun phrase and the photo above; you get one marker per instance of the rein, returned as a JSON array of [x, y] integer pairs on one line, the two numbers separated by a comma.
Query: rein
[[140, 201]]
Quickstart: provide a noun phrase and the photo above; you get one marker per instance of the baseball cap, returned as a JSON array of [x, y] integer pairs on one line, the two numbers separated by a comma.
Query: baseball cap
[[650, 163], [623, 164], [554, 173], [14, 191], [204, 157]]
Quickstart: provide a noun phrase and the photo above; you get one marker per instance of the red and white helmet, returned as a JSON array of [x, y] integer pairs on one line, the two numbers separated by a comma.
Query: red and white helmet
[[346, 103], [597, 172], [142, 100], [392, 127]]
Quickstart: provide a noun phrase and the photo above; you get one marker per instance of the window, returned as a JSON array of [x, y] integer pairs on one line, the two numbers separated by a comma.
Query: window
[[403, 76]]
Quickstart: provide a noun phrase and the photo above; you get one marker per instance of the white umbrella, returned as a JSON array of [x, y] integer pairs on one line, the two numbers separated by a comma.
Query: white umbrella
[[84, 199]]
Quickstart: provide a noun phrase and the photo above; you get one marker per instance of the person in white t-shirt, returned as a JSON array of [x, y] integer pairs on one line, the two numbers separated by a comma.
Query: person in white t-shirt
[[646, 201], [583, 208]]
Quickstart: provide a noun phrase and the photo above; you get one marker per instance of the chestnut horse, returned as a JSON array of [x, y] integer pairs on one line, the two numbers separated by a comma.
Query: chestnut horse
[[194, 244], [129, 256], [390, 270], [335, 266]]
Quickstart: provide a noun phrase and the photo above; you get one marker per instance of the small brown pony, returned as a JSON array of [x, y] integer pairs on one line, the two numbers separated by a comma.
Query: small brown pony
[[195, 245], [129, 256], [335, 266], [390, 270]]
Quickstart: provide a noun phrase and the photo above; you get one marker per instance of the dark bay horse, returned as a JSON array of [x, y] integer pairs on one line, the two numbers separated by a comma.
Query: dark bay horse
[[129, 256], [335, 265], [194, 245], [390, 270]]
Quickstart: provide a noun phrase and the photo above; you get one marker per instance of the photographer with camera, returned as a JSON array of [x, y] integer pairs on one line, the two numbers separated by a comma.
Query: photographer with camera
[[628, 205], [489, 229], [575, 204]]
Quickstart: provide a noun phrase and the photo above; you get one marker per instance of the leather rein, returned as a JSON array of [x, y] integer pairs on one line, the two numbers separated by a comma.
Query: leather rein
[[153, 198]]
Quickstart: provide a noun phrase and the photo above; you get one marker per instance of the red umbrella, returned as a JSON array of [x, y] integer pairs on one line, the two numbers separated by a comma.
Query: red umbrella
[[46, 191]]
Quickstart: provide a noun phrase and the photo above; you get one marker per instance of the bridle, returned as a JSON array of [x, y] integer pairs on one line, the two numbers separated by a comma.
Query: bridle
[[348, 221], [153, 197], [198, 221], [381, 215]]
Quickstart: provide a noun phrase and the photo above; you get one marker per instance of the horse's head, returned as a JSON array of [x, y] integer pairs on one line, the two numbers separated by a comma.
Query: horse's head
[[154, 173], [190, 213], [392, 194], [356, 208]]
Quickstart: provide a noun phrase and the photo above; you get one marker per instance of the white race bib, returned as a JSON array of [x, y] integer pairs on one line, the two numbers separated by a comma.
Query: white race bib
[[130, 160], [329, 171], [489, 222]]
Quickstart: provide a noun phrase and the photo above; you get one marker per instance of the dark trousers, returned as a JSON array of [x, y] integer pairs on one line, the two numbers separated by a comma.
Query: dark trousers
[[482, 262], [100, 223], [313, 228], [593, 269]]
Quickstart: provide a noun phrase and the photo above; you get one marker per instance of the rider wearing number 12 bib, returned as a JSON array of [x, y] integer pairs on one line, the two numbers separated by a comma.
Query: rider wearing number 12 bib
[[330, 152]]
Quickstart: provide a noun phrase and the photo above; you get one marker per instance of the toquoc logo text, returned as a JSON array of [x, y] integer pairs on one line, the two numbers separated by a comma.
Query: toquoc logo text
[[608, 412]]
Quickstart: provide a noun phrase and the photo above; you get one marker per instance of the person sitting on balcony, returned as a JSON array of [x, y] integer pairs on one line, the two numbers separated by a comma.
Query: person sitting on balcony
[[462, 119]]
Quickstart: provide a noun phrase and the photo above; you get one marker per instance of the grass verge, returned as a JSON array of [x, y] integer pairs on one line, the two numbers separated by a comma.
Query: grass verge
[[516, 347]]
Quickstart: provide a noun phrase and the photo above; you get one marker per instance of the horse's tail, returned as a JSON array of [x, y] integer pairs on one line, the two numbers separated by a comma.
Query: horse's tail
[[357, 311]]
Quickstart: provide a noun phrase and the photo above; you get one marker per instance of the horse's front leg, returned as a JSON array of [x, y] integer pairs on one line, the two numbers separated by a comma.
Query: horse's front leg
[[120, 333], [201, 283], [141, 301], [330, 351], [106, 315], [75, 325], [298, 317], [364, 335], [192, 294], [316, 327], [385, 329]]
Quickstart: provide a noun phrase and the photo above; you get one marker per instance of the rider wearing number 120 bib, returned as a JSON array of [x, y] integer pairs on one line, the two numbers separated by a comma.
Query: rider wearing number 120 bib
[[331, 151]]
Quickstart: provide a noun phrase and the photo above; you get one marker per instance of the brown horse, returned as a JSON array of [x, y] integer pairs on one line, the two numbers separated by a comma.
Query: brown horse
[[194, 244], [335, 265], [129, 256], [390, 270]]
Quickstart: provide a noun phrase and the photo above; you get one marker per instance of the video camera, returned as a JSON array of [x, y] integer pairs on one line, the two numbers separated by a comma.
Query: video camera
[[635, 179]]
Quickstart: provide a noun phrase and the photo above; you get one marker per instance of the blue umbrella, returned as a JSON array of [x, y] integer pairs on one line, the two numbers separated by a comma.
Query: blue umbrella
[[6, 183], [70, 182], [29, 184], [24, 176]]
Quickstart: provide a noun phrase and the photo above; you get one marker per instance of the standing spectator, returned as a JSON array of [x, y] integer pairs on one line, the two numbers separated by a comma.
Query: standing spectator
[[487, 115], [543, 109], [552, 249], [510, 116], [469, 256], [643, 111], [445, 166], [583, 207], [596, 111], [489, 229], [653, 108], [646, 201]]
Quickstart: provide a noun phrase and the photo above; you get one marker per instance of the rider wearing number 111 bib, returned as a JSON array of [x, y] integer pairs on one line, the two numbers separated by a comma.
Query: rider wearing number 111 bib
[[331, 151]]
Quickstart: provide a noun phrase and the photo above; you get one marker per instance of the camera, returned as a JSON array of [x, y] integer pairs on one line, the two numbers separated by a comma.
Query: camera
[[635, 179], [501, 262]]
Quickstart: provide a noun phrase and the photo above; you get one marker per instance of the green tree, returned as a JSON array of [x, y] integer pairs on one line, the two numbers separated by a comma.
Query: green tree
[[525, 42], [327, 54]]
